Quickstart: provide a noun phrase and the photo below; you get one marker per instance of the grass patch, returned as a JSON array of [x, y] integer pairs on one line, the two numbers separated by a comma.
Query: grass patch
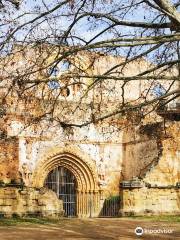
[[16, 221], [165, 218], [26, 221]]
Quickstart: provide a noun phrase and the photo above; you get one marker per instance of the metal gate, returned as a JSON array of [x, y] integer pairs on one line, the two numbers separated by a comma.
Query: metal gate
[[63, 183], [111, 206]]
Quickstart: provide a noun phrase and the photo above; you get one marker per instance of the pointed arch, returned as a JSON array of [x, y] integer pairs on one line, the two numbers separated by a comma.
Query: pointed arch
[[83, 168]]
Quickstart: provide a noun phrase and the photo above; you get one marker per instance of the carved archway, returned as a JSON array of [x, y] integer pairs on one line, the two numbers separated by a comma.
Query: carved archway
[[84, 170]]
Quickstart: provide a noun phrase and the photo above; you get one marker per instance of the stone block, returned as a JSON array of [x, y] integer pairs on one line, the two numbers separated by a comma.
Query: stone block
[[31, 202]]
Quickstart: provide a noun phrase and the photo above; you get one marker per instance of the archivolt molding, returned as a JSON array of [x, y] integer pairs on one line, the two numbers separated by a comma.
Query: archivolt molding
[[72, 158]]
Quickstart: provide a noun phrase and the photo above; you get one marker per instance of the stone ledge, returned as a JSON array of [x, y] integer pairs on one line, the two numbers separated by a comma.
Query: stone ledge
[[139, 184], [132, 184]]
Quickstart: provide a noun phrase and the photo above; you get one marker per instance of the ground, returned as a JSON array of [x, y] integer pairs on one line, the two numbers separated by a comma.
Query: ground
[[85, 229]]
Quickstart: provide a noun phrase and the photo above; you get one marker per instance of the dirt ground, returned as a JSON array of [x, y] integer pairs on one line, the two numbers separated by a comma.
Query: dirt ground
[[84, 229]]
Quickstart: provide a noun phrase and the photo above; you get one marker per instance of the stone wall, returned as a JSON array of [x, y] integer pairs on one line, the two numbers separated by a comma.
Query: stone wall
[[117, 149], [29, 202], [159, 189], [141, 149], [167, 171], [150, 201], [9, 160]]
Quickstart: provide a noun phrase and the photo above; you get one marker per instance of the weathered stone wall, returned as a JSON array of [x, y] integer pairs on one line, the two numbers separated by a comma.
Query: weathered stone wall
[[145, 152], [167, 171], [160, 193], [118, 151], [149, 145], [9, 160], [141, 149], [103, 148], [29, 202], [150, 201]]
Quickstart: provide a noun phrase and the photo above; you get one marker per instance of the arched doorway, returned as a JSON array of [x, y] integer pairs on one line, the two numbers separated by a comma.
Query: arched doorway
[[63, 183], [87, 192]]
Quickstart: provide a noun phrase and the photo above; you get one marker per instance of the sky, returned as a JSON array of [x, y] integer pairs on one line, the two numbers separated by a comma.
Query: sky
[[86, 28]]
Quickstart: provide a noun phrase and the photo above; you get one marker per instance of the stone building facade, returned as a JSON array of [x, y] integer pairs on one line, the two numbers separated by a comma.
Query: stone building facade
[[136, 162]]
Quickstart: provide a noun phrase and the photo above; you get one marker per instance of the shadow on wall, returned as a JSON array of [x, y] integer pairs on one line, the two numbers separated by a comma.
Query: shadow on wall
[[142, 149]]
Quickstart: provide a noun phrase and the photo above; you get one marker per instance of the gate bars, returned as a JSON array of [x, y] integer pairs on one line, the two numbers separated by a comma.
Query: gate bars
[[78, 203]]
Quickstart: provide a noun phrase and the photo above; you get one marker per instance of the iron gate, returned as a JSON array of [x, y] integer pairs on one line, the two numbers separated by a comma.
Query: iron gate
[[63, 183], [111, 206]]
